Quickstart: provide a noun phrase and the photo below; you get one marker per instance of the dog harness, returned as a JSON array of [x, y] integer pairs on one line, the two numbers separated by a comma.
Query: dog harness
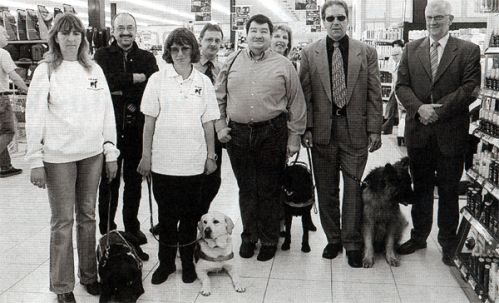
[[203, 256]]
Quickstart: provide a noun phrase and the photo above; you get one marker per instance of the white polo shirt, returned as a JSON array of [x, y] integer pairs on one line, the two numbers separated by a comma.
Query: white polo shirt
[[180, 108], [6, 66]]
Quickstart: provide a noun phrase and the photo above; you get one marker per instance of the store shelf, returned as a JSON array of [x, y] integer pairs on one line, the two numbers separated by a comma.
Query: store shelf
[[471, 288], [487, 92], [487, 138], [492, 51], [491, 188], [26, 41], [491, 240]]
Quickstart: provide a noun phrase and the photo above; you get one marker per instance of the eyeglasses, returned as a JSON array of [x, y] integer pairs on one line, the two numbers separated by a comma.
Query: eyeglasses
[[183, 49], [332, 18], [437, 18]]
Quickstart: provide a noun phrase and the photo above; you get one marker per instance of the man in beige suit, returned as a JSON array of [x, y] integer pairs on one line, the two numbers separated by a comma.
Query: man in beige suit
[[340, 80]]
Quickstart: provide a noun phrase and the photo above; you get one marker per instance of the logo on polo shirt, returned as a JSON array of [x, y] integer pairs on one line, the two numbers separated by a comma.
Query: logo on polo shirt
[[93, 84], [197, 90]]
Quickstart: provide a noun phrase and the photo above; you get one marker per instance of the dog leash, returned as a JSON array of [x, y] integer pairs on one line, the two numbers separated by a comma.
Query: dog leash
[[311, 164], [151, 220], [360, 182]]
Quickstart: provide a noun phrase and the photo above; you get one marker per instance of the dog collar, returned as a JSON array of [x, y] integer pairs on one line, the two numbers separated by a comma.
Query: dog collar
[[203, 256]]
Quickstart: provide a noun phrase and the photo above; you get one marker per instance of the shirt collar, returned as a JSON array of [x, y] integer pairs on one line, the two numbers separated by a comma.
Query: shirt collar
[[203, 60], [343, 41], [265, 54], [443, 41], [172, 73]]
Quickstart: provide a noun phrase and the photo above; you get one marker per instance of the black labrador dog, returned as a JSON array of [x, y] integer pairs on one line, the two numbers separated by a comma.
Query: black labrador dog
[[120, 267]]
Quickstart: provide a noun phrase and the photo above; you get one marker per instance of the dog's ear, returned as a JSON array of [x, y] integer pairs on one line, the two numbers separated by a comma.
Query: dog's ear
[[200, 226], [229, 224], [389, 169]]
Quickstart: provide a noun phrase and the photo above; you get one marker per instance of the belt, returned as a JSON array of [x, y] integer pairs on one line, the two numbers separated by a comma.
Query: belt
[[339, 112], [6, 93], [261, 123]]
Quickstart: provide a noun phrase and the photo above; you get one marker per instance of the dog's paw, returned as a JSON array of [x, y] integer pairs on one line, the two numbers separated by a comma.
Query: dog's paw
[[368, 261], [285, 246], [205, 292], [239, 288], [392, 259], [305, 248]]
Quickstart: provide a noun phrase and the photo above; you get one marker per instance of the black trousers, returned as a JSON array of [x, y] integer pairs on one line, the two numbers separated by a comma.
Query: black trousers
[[430, 168], [179, 209], [128, 161]]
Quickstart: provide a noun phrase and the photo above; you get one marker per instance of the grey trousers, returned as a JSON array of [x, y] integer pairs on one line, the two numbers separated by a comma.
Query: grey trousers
[[72, 188], [327, 160]]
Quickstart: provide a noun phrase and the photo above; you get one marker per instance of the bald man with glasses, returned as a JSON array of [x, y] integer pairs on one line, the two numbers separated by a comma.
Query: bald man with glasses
[[436, 80]]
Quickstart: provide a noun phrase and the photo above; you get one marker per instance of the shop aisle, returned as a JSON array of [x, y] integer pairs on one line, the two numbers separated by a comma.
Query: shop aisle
[[292, 276]]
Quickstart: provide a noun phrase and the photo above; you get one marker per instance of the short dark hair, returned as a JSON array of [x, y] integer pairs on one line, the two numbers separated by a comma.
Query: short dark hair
[[181, 36], [398, 42], [260, 19], [125, 13], [329, 3], [210, 27]]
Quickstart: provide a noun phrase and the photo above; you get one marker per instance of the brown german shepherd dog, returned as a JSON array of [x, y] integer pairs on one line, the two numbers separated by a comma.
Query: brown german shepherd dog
[[383, 190]]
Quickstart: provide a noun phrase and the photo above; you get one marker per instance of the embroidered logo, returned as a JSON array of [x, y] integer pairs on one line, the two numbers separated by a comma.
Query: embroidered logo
[[93, 84], [197, 90]]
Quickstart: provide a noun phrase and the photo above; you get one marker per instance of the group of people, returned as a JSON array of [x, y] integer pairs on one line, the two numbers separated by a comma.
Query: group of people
[[88, 120]]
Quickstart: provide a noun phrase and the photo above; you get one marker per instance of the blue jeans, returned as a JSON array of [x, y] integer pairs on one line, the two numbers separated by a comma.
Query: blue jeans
[[7, 131], [72, 188], [258, 158]]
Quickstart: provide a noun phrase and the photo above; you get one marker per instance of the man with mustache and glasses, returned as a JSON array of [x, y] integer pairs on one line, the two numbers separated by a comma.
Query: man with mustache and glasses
[[437, 78], [127, 69], [263, 116], [340, 80]]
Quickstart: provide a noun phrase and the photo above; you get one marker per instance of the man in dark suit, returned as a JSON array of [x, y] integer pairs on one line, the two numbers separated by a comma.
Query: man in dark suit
[[340, 80], [436, 78]]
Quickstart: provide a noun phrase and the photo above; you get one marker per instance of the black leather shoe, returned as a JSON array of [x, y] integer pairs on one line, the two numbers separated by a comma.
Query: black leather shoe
[[447, 259], [161, 273], [354, 258], [142, 239], [66, 298], [93, 288], [247, 250], [332, 250], [410, 246], [266, 253]]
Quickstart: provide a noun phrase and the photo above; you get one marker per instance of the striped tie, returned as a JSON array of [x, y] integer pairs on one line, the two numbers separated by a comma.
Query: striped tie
[[434, 59], [338, 75]]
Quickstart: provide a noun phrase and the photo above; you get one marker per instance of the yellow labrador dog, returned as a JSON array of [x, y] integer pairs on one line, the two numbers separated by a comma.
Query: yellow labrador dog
[[215, 250]]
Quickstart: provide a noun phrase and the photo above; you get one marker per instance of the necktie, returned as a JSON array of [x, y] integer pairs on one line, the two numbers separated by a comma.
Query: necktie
[[434, 59], [338, 77], [209, 72]]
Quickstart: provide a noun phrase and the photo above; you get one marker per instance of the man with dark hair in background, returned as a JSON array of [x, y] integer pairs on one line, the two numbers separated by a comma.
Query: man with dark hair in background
[[260, 96], [127, 69]]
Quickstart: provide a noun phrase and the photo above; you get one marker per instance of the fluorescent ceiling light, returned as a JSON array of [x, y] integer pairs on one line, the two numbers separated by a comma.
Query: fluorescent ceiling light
[[277, 9], [157, 7], [152, 18], [220, 8]]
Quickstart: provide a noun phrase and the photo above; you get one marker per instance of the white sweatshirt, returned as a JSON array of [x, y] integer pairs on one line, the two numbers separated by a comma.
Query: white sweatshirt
[[75, 121]]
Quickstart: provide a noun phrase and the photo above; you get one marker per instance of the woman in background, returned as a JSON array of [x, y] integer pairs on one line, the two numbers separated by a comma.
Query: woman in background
[[70, 127]]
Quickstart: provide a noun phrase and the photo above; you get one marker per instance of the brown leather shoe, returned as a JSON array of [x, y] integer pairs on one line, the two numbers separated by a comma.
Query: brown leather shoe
[[66, 298]]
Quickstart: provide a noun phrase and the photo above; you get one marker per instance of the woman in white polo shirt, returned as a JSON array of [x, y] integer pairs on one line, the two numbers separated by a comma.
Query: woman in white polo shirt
[[180, 107]]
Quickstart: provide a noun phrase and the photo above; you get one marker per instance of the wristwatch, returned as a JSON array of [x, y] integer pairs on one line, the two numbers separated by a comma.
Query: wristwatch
[[212, 156]]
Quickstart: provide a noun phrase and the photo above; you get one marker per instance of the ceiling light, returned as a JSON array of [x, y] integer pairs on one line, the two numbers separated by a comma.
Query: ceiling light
[[157, 7], [152, 18], [220, 8], [277, 9]]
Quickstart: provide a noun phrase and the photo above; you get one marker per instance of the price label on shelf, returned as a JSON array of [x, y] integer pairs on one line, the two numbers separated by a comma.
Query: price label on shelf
[[489, 187]]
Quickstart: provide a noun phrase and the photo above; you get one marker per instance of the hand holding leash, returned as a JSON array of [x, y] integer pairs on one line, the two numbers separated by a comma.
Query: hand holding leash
[[144, 168], [306, 139]]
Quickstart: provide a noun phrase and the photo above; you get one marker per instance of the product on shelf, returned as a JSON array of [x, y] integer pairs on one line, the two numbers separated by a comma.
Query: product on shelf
[[9, 23], [32, 28], [21, 25]]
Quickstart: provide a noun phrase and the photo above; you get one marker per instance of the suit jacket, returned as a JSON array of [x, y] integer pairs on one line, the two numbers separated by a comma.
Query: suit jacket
[[457, 76], [364, 108]]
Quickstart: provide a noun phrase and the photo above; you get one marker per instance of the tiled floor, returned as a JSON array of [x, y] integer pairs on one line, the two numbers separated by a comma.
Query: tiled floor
[[292, 276]]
